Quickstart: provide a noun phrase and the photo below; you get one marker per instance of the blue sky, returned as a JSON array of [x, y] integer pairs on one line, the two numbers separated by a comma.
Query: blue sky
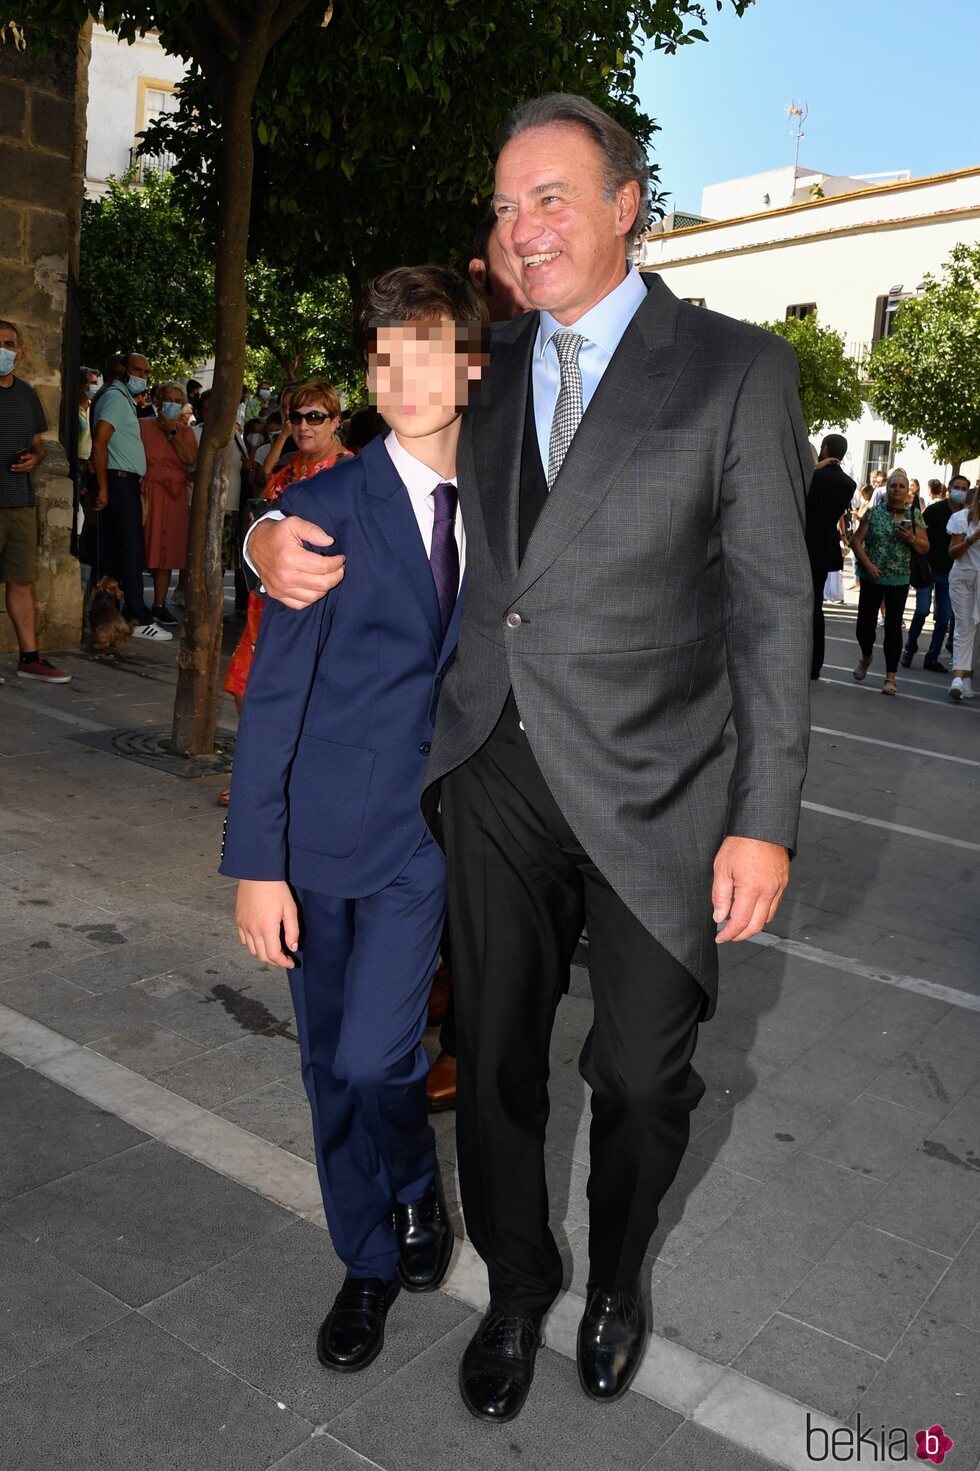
[[891, 84]]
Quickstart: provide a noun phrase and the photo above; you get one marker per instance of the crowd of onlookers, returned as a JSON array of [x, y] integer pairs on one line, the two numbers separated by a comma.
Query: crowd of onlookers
[[137, 451], [897, 540]]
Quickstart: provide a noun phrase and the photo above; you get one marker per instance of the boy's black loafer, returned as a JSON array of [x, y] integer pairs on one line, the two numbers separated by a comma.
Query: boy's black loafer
[[425, 1240], [353, 1332]]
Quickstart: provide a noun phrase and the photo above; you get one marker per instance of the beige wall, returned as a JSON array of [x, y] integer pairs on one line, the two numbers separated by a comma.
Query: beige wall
[[40, 193]]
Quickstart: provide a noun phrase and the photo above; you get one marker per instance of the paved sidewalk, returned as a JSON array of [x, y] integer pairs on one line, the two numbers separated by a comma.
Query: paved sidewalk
[[162, 1258]]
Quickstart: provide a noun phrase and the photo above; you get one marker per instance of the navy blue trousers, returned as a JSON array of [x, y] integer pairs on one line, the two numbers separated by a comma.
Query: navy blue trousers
[[360, 993]]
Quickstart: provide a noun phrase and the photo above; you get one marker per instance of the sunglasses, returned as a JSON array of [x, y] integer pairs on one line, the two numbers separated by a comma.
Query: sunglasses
[[315, 416]]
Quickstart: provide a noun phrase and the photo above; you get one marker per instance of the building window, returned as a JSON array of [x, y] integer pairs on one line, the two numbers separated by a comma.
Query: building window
[[155, 99], [877, 456], [886, 310], [801, 310]]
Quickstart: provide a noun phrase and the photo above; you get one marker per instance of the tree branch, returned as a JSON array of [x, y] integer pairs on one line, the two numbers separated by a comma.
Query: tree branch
[[287, 13], [226, 21], [196, 43]]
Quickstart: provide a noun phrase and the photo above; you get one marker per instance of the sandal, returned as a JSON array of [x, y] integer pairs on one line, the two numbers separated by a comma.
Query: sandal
[[861, 668], [890, 686]]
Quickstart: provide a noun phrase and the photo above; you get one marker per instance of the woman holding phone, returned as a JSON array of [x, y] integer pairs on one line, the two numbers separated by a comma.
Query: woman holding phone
[[882, 545]]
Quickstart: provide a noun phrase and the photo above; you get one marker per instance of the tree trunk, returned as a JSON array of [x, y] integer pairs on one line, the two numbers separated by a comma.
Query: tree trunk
[[954, 468], [199, 655]]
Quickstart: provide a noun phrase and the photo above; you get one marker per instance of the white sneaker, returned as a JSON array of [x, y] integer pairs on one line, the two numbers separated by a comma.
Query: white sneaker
[[956, 689], [154, 631], [968, 690]]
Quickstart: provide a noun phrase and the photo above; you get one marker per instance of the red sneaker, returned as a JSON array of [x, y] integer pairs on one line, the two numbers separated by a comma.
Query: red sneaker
[[41, 669]]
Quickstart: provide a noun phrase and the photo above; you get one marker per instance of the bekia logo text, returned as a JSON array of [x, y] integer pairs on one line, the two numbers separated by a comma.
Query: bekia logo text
[[875, 1444]]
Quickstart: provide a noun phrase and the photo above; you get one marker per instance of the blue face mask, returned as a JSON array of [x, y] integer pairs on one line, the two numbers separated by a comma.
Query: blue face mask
[[91, 389], [171, 410], [136, 385], [7, 360], [958, 497]]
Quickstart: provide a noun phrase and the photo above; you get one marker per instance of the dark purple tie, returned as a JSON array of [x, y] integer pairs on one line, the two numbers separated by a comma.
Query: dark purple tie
[[444, 556]]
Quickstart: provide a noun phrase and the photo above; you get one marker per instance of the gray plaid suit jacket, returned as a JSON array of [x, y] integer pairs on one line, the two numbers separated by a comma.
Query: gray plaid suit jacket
[[661, 656]]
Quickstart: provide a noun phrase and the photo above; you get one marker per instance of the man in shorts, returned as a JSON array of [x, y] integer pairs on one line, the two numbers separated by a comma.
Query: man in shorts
[[22, 423]]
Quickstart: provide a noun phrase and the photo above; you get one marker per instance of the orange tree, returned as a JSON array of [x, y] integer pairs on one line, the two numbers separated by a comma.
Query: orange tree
[[372, 124]]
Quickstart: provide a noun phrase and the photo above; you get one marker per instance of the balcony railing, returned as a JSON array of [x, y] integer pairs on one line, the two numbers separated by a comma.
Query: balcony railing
[[150, 163], [860, 352]]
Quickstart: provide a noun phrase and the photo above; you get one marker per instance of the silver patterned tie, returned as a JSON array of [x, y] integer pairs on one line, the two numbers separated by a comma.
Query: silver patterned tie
[[568, 409]]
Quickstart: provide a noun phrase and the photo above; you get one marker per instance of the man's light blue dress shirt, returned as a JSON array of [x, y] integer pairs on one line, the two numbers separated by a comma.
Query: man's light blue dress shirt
[[602, 327]]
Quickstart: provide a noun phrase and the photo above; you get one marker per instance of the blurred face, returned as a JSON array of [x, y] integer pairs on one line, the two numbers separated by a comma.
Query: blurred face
[[313, 429], [419, 373], [877, 478], [563, 241]]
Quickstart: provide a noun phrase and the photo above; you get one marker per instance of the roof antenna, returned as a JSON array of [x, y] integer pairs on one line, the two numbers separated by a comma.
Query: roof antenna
[[800, 112]]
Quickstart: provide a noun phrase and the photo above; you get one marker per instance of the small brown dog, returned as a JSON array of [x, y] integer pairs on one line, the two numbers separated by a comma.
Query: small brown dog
[[107, 626]]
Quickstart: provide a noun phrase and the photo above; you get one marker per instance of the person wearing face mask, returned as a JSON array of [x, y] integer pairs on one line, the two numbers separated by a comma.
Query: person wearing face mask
[[964, 582], [22, 424], [119, 461], [259, 401], [936, 516], [171, 454]]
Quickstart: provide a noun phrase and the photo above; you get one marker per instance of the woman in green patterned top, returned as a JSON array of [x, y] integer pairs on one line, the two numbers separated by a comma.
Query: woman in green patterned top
[[882, 545]]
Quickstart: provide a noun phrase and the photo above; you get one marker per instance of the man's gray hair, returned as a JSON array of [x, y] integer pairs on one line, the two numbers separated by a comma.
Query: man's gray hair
[[623, 158]]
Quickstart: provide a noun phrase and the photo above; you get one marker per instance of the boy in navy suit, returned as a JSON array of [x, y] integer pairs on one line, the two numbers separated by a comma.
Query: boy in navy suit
[[341, 883]]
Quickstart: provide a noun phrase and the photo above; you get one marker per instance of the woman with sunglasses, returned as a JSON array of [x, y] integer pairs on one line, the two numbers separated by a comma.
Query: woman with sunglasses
[[313, 421]]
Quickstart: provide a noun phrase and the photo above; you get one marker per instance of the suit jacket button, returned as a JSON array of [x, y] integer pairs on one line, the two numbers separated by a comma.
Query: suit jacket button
[[513, 620], [425, 748]]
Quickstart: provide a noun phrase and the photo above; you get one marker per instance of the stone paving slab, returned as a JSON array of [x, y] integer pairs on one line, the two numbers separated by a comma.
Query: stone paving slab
[[879, 1088]]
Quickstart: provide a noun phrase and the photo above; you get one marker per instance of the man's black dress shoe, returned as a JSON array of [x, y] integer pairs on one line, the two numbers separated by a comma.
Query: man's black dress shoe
[[498, 1366], [353, 1332], [936, 665], [425, 1241], [612, 1338]]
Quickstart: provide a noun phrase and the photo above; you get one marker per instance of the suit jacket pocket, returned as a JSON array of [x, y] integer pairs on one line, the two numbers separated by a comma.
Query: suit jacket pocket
[[328, 795]]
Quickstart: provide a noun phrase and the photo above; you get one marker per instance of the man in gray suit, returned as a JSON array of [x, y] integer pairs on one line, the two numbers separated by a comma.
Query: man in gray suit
[[622, 740]]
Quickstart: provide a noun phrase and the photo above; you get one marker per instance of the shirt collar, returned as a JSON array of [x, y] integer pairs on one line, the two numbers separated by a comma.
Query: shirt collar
[[605, 323], [419, 480]]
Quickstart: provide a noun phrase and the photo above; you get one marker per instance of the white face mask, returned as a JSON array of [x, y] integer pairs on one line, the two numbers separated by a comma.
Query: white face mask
[[92, 389], [252, 440]]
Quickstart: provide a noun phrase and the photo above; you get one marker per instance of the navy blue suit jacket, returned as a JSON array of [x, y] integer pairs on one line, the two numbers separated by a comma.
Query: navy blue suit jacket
[[341, 700]]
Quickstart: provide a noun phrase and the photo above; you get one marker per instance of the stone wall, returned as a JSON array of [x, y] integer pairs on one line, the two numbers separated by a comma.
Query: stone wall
[[42, 99]]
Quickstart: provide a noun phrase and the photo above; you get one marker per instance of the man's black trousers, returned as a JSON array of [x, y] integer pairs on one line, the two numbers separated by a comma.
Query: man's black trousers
[[520, 890], [121, 533]]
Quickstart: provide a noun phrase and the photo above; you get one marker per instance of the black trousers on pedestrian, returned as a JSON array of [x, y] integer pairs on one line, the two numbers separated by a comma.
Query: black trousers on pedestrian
[[872, 597], [121, 539], [520, 889], [818, 572]]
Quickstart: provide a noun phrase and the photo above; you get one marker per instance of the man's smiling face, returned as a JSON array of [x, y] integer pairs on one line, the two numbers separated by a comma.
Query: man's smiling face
[[563, 239]]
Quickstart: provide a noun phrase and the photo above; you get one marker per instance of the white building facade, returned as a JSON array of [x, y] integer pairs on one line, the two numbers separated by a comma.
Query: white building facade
[[129, 86], [853, 255]]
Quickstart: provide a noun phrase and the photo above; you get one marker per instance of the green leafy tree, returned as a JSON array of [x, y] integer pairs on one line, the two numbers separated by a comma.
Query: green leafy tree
[[924, 379], [300, 329], [830, 383], [375, 125], [144, 279]]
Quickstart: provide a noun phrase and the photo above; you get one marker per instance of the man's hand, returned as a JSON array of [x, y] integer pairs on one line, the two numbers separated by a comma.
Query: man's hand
[[750, 879], [100, 500], [266, 916], [289, 572], [25, 464]]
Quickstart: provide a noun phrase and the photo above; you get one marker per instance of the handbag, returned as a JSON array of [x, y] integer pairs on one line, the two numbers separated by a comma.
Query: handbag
[[920, 568]]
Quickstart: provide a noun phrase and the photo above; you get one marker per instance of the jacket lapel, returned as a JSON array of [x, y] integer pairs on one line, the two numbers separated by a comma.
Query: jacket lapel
[[493, 445], [633, 390], [392, 510]]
